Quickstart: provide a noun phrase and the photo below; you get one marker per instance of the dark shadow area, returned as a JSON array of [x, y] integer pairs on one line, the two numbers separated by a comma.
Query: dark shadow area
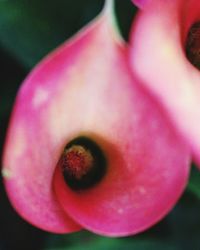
[[15, 233]]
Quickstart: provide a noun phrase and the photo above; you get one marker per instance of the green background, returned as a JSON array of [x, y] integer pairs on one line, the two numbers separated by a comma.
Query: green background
[[29, 29]]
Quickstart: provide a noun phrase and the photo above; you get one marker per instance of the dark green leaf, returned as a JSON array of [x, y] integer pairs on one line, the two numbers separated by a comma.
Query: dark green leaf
[[194, 182], [91, 242], [30, 29], [184, 222]]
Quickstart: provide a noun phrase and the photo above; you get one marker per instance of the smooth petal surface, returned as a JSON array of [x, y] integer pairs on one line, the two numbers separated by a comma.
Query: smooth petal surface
[[157, 56], [146, 157], [86, 88]]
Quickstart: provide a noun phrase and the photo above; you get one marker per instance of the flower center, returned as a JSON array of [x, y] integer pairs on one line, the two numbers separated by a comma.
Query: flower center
[[83, 163], [192, 46]]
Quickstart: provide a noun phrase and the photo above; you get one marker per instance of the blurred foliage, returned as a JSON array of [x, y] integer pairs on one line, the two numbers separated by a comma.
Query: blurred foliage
[[90, 242], [194, 183], [29, 29]]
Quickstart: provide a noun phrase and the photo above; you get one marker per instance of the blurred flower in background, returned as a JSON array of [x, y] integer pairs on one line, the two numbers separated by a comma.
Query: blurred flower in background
[[172, 39], [28, 31]]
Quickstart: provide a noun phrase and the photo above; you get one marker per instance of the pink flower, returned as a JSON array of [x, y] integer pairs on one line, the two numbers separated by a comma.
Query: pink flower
[[164, 50], [87, 146], [142, 3]]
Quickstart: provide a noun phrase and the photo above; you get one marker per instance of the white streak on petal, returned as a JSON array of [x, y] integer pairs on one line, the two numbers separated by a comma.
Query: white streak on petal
[[6, 173], [40, 97]]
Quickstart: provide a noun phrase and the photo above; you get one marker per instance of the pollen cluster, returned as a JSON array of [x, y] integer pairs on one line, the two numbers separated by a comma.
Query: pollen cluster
[[77, 161]]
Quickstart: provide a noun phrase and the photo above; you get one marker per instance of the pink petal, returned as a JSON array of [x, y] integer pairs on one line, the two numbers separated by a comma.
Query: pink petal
[[86, 88], [148, 162], [157, 56], [141, 3]]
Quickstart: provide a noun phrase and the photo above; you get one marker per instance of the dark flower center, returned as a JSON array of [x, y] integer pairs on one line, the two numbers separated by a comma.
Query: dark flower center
[[192, 45], [83, 163]]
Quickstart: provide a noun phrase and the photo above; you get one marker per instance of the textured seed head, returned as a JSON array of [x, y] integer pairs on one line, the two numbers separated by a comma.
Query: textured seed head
[[77, 161]]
